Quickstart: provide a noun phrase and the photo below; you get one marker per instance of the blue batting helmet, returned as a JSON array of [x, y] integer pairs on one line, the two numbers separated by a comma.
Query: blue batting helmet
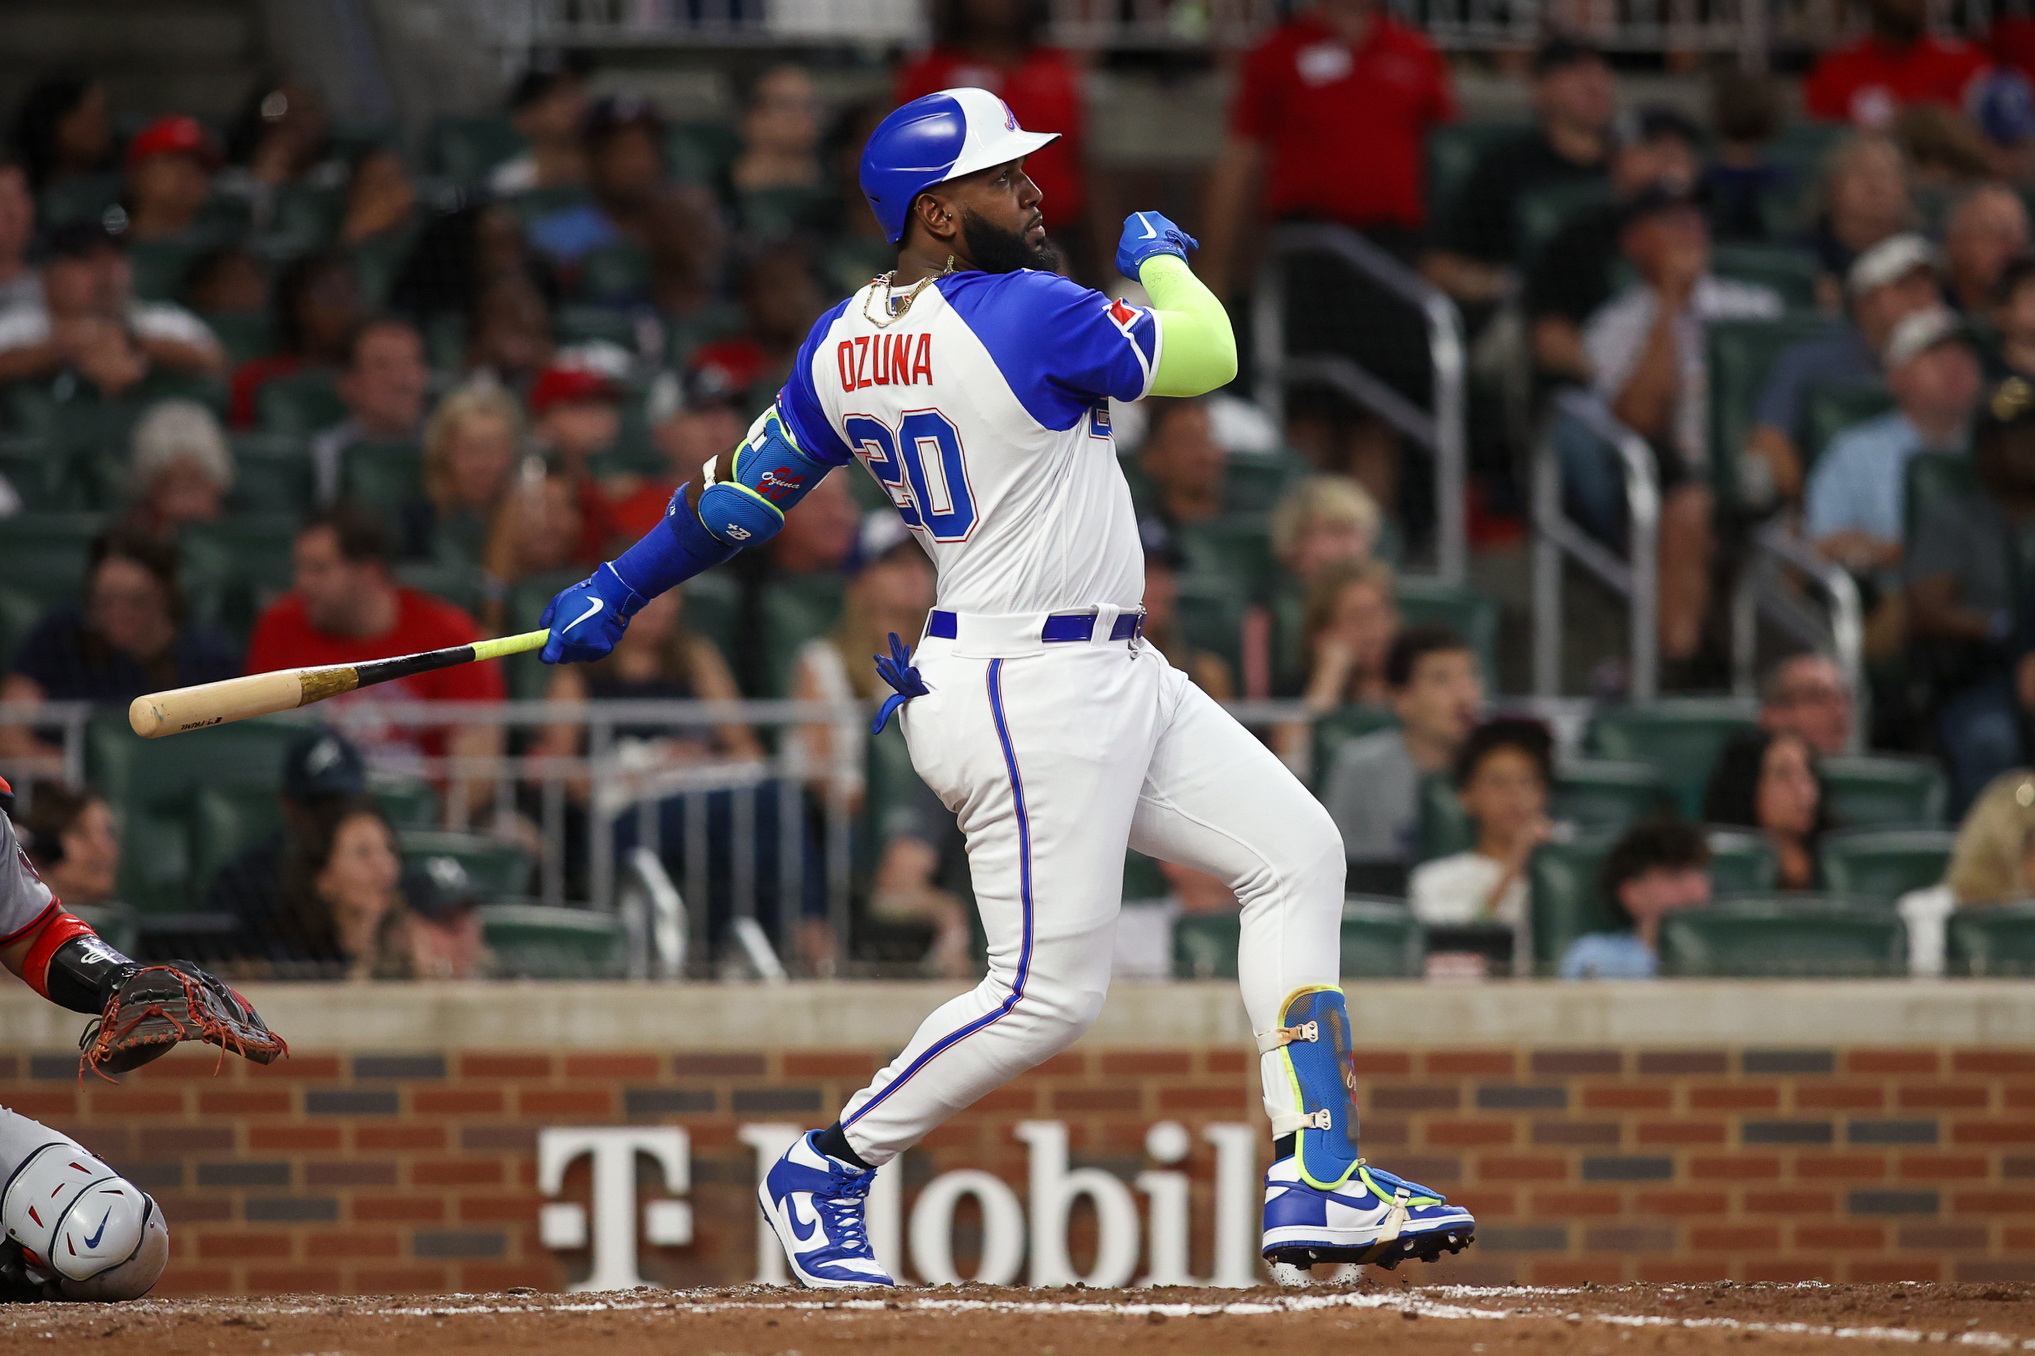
[[936, 138]]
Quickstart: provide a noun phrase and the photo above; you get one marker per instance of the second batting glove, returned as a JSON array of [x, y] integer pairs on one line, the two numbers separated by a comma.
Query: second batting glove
[[1146, 234], [587, 619]]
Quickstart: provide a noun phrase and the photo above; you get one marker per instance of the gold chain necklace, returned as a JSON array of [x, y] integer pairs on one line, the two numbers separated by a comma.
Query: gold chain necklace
[[894, 308]]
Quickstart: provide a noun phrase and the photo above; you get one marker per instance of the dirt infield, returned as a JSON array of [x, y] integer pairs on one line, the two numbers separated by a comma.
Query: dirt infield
[[1380, 1319]]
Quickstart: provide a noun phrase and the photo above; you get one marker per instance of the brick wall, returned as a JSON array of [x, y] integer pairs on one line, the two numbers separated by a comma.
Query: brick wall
[[344, 1172]]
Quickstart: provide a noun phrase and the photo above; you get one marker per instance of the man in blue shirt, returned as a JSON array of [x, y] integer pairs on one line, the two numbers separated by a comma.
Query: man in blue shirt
[[1856, 505], [1659, 866]]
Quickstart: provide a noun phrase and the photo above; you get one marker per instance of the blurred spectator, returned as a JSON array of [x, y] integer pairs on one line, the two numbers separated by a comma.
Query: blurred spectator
[[458, 256], [127, 639], [538, 530], [383, 384], [1863, 200], [2002, 107], [709, 419], [343, 608], [1995, 851], [1806, 695], [1654, 869], [510, 334], [89, 322], [180, 469], [1572, 274], [1740, 178], [1347, 633], [1962, 569], [63, 131], [20, 285], [447, 939], [1163, 632], [317, 309], [1983, 229], [576, 416], [1573, 100], [381, 201], [1000, 46], [1183, 462], [230, 279], [339, 909], [1856, 504], [781, 299], [889, 593], [687, 245], [1897, 63], [1372, 789], [471, 447], [280, 134], [1890, 281], [73, 843], [819, 532], [1321, 521], [776, 183], [2013, 318], [322, 770], [1768, 781], [624, 142], [169, 178], [546, 107], [1650, 363], [1502, 775], [1944, 151]]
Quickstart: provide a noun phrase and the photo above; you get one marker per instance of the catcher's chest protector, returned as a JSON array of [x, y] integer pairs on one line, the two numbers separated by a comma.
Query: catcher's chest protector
[[1313, 1042], [77, 1218]]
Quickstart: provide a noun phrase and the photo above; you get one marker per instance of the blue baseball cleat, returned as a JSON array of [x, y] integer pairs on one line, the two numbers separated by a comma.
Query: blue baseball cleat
[[1372, 1217], [814, 1203]]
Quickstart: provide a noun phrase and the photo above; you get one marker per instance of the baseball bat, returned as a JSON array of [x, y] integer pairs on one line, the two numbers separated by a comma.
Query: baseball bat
[[156, 714]]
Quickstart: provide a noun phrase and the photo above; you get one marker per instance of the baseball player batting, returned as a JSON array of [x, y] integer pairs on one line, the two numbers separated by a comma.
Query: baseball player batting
[[71, 1227], [974, 384]]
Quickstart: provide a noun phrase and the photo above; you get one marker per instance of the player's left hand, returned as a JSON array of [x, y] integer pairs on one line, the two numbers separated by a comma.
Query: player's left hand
[[1146, 234], [587, 619], [150, 1008]]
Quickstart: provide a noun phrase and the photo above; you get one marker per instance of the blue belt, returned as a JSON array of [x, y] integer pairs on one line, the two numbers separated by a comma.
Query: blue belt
[[1070, 626]]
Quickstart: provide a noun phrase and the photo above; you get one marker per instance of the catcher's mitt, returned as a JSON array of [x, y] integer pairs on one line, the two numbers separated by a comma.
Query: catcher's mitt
[[158, 1006]]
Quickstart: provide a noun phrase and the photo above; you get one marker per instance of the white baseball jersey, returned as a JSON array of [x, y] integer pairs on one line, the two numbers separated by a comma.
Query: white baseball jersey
[[25, 902], [983, 411]]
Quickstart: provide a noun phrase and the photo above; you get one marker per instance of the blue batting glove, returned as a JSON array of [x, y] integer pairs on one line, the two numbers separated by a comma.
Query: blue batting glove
[[587, 619], [1146, 234]]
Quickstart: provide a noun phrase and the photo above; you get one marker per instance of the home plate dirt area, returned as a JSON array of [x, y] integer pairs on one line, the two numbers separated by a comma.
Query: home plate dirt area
[[1378, 1319]]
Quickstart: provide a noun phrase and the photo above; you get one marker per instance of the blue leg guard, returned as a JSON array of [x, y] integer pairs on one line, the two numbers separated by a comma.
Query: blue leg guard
[[1313, 1042]]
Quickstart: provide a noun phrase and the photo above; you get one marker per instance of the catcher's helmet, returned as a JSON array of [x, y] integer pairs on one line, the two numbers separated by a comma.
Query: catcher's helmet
[[936, 138]]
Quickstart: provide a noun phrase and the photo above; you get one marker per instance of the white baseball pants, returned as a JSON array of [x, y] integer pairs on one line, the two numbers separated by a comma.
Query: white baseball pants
[[1054, 758]]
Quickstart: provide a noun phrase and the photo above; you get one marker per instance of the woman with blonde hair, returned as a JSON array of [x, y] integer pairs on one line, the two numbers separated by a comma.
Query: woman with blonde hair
[[1992, 862], [1346, 630], [1862, 199], [1322, 520], [473, 443]]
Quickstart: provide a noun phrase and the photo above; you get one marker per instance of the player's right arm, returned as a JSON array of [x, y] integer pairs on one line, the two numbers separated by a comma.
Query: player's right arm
[[1197, 349]]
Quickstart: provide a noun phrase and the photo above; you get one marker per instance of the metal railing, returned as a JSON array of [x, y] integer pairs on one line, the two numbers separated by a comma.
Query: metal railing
[[67, 721], [1771, 584], [1440, 431], [1558, 538]]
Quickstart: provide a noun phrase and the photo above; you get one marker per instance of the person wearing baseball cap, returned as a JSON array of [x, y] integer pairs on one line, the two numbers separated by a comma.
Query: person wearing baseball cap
[[1856, 503], [623, 139], [1893, 279], [694, 416], [576, 415], [169, 177]]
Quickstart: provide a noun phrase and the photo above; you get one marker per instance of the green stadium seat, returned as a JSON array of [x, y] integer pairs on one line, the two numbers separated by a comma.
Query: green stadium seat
[[225, 822], [584, 324], [701, 152], [500, 871], [160, 266], [1741, 861], [1563, 898], [538, 203], [796, 609], [43, 554], [1605, 795], [303, 219], [300, 403], [237, 566], [1205, 946], [378, 262], [245, 334], [1787, 270], [683, 334], [466, 148], [614, 272], [1742, 355], [38, 471], [19, 612], [465, 586], [1680, 738], [1142, 879], [1210, 615], [1255, 482], [409, 805], [1444, 829], [1381, 939], [1934, 478], [713, 608], [1991, 941], [535, 942], [1884, 864], [79, 199], [1829, 410], [271, 474], [1883, 791], [1541, 212], [1464, 611], [1337, 728], [1453, 150], [767, 213], [1236, 547], [1783, 939], [385, 476]]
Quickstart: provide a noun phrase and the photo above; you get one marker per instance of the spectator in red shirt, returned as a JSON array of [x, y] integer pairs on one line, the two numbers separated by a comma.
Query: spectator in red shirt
[[1899, 62], [344, 607], [576, 415], [318, 307], [1334, 108], [781, 299], [997, 45]]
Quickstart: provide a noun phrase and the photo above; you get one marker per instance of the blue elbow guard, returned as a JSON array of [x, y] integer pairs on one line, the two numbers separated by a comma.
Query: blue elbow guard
[[1312, 1046], [744, 502], [672, 552]]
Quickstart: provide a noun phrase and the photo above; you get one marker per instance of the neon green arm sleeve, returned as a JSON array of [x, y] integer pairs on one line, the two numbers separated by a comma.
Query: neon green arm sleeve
[[1197, 348]]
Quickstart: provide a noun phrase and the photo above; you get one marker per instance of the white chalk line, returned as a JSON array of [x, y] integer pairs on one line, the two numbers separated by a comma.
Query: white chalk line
[[1414, 1305]]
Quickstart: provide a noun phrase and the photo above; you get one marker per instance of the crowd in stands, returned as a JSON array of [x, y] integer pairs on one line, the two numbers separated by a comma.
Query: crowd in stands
[[286, 391]]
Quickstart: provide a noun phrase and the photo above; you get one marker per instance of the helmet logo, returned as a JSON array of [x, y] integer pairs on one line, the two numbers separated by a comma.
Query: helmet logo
[[1009, 118]]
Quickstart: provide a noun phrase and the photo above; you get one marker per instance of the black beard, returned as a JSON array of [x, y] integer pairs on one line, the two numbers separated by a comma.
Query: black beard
[[994, 250]]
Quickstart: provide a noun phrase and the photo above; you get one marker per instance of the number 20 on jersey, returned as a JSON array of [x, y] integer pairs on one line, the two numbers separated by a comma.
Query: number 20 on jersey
[[921, 467]]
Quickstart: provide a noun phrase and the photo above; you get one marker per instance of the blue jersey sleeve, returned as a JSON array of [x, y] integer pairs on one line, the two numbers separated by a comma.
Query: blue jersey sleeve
[[798, 404], [1060, 345]]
